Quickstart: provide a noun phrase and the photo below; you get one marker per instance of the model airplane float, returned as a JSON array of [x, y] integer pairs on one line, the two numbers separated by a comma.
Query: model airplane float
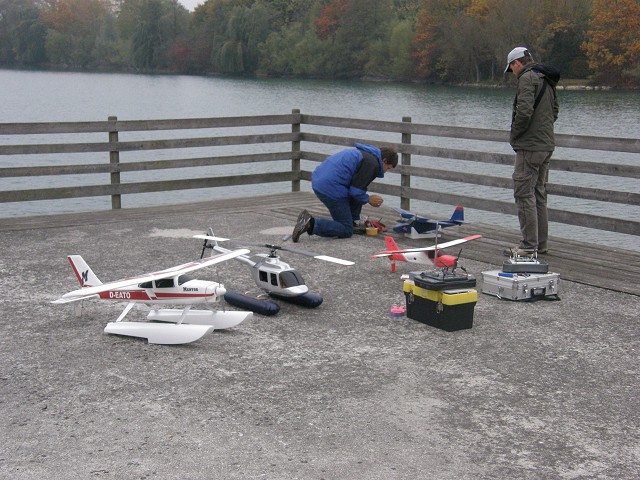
[[425, 255], [415, 226], [167, 287], [273, 276]]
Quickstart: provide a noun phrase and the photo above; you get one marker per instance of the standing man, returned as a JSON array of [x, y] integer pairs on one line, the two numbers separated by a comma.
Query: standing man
[[340, 182], [535, 109]]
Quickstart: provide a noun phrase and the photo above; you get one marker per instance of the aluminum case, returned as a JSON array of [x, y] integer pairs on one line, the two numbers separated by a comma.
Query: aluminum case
[[521, 286]]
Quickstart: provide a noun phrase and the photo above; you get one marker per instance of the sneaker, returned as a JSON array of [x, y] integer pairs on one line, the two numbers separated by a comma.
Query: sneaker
[[303, 224], [359, 230]]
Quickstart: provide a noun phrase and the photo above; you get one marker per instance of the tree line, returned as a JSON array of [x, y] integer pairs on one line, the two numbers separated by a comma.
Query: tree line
[[442, 41]]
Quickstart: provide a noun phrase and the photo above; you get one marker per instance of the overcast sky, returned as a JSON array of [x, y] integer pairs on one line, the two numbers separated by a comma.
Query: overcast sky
[[191, 4]]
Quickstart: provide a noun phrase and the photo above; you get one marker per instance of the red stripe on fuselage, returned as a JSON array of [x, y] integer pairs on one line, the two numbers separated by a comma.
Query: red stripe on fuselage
[[141, 295], [181, 295]]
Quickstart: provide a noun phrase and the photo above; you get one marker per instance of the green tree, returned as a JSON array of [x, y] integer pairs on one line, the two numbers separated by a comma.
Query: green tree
[[106, 52], [22, 35], [391, 57], [148, 30], [147, 39], [362, 24], [238, 36], [294, 50]]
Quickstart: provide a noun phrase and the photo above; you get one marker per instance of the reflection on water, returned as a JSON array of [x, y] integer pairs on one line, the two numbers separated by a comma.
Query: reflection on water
[[55, 96]]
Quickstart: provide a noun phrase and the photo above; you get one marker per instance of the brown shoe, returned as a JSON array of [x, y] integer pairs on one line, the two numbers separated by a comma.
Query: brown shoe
[[303, 224]]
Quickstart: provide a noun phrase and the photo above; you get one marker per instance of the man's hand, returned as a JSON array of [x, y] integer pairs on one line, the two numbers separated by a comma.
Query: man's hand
[[375, 200]]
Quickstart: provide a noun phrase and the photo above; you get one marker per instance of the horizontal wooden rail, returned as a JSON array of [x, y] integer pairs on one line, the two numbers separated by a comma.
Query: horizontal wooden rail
[[144, 125], [410, 139], [571, 141], [138, 145], [58, 193]]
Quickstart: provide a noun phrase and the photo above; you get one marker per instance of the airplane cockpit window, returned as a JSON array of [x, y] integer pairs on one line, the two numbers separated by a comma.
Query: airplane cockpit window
[[290, 278], [184, 279], [274, 279], [164, 283], [145, 285]]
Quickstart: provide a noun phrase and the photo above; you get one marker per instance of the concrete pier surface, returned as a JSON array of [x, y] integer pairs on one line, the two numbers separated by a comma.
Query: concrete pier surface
[[545, 389]]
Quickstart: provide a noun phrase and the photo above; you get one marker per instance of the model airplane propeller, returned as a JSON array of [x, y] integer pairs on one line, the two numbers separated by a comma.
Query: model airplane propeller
[[425, 255], [414, 225], [166, 287], [271, 274]]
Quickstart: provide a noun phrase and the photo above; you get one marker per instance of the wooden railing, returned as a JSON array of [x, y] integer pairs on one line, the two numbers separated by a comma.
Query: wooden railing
[[262, 140]]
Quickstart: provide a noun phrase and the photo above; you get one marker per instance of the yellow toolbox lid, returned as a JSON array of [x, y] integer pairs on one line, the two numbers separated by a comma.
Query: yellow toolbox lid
[[447, 297]]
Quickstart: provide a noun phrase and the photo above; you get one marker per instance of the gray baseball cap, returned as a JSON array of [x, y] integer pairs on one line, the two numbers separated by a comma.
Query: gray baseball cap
[[515, 54]]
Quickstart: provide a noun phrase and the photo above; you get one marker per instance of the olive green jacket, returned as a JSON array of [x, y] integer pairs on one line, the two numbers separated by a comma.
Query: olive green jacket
[[533, 129]]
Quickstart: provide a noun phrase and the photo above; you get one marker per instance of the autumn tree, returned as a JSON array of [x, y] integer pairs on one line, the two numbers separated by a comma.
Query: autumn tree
[[613, 45], [433, 30], [72, 28], [328, 20]]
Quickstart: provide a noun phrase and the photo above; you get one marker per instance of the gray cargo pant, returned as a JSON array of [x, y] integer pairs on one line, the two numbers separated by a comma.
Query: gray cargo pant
[[530, 176]]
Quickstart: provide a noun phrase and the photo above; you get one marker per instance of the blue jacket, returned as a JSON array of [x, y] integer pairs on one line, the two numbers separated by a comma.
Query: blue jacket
[[348, 173]]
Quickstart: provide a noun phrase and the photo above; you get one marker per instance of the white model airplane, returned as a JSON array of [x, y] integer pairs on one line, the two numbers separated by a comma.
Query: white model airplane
[[170, 286], [426, 255]]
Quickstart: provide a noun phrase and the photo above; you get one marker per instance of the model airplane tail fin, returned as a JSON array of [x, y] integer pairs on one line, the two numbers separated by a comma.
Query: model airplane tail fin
[[391, 243], [83, 272], [211, 241], [393, 246], [211, 234], [458, 215]]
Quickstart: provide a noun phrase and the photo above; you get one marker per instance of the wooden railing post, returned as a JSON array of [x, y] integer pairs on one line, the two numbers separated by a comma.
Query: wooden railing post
[[295, 151], [114, 160], [405, 178]]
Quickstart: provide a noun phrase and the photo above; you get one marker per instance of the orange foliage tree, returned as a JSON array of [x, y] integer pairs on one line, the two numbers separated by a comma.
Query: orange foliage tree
[[613, 48], [329, 18]]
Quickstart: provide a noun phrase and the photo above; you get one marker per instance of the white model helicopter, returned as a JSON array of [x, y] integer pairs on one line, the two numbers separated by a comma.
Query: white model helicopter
[[170, 286], [272, 275]]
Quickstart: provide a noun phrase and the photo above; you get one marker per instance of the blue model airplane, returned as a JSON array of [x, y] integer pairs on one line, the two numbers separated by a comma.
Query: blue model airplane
[[423, 225]]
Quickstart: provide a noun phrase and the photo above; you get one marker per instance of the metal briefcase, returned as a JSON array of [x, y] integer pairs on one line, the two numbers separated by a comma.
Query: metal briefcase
[[520, 286]]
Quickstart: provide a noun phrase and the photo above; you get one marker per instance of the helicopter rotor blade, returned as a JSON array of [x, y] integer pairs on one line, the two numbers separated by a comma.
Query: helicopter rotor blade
[[256, 244], [306, 253], [318, 256]]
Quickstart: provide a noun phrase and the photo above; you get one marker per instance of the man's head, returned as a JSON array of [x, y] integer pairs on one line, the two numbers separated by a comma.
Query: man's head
[[517, 58], [389, 158]]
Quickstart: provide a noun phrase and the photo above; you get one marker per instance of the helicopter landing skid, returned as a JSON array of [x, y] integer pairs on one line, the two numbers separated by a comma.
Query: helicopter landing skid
[[308, 300], [248, 302]]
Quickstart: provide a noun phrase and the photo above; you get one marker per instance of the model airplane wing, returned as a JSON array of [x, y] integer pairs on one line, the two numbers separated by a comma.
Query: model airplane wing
[[88, 292], [386, 253], [405, 213]]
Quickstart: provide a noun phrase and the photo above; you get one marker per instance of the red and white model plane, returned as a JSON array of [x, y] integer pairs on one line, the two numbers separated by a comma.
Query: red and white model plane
[[167, 287], [426, 255]]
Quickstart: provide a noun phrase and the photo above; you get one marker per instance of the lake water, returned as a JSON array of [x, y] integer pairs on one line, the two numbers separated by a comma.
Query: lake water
[[28, 96]]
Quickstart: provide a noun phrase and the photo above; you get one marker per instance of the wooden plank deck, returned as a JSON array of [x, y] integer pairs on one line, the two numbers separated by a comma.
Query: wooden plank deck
[[580, 262]]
